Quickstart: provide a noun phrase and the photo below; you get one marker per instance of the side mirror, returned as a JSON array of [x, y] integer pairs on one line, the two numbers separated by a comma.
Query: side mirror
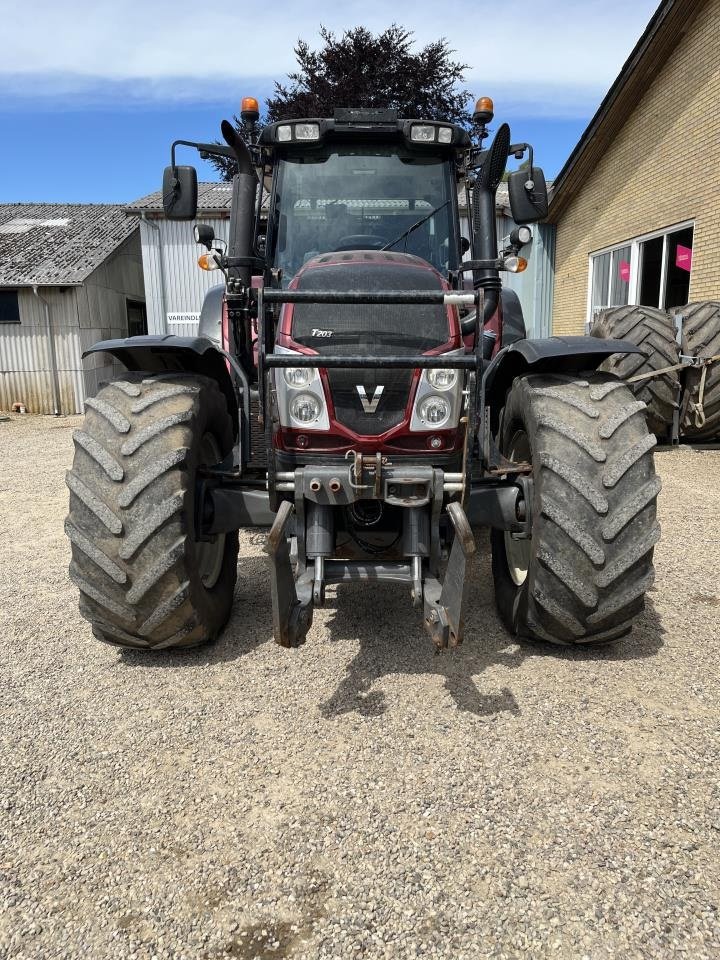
[[180, 193], [204, 234], [528, 195]]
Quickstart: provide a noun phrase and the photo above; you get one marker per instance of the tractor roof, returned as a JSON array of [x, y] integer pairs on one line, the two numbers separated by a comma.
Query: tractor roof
[[366, 125]]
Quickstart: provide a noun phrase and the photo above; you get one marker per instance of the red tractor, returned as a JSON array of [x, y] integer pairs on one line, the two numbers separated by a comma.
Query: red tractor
[[369, 394]]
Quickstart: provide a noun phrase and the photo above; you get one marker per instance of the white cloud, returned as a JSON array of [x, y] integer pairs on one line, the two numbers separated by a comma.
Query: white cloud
[[553, 56]]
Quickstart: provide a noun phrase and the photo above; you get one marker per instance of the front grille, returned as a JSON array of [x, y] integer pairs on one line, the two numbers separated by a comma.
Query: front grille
[[369, 329], [391, 404]]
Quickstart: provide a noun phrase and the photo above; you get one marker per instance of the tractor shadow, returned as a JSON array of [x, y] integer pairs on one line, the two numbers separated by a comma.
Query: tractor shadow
[[391, 638], [392, 641]]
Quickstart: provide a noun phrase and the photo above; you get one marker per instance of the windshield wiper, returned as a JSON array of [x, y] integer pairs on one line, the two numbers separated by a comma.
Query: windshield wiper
[[418, 223]]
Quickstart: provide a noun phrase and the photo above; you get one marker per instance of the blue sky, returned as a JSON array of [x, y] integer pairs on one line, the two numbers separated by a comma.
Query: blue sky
[[91, 95]]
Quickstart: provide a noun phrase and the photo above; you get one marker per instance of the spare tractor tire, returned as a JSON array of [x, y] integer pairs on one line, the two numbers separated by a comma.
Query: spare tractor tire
[[145, 581], [700, 416], [654, 332]]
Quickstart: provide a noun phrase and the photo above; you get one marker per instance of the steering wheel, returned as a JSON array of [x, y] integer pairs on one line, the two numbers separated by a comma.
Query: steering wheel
[[361, 241]]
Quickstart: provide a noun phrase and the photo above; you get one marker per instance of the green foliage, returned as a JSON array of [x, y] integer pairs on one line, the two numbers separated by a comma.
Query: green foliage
[[362, 69]]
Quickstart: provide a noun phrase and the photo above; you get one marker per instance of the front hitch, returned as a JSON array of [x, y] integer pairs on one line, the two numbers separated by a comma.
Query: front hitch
[[292, 615], [444, 603]]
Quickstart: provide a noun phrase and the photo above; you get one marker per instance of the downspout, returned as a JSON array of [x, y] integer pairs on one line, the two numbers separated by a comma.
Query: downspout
[[163, 307], [53, 355]]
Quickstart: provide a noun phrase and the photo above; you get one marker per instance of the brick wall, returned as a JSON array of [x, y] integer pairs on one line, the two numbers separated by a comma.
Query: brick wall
[[662, 168]]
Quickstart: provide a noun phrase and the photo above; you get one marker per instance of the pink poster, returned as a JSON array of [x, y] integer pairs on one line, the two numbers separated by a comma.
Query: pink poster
[[625, 271], [683, 257]]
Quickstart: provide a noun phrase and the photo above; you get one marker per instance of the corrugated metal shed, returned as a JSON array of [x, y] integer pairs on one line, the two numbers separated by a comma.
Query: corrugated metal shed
[[534, 286], [175, 286], [84, 262]]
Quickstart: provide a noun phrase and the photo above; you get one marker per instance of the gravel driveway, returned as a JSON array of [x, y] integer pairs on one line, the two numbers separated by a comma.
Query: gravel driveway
[[359, 797]]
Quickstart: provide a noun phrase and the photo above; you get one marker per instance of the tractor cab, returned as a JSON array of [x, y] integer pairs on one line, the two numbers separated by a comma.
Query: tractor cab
[[342, 185]]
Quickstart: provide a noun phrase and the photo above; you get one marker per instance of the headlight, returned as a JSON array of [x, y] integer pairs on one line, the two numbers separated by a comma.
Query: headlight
[[423, 133], [299, 376], [307, 131], [445, 135], [442, 379], [284, 134], [521, 235], [305, 408], [434, 411]]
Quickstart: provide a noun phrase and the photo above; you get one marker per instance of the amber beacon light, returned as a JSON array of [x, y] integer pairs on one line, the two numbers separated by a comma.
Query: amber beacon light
[[249, 109], [484, 110]]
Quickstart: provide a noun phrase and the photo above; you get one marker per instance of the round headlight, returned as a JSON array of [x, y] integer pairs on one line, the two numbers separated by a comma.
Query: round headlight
[[305, 408], [298, 376], [442, 379], [434, 410]]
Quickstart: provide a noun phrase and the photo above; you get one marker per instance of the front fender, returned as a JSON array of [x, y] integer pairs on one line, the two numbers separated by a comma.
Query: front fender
[[548, 355], [166, 353]]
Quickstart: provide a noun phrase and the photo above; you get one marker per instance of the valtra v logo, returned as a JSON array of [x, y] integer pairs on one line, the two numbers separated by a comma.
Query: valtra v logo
[[370, 406]]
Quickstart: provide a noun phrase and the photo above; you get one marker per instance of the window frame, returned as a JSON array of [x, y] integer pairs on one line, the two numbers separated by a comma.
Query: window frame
[[16, 291], [635, 264], [134, 302]]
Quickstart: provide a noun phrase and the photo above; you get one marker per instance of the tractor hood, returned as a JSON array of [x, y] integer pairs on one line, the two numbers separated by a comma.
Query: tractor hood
[[369, 329], [352, 328]]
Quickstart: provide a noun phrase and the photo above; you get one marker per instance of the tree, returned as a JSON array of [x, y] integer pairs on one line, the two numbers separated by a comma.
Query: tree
[[361, 69]]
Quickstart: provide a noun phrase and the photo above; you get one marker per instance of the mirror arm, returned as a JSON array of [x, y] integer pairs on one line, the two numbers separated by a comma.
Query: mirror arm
[[518, 149], [212, 149]]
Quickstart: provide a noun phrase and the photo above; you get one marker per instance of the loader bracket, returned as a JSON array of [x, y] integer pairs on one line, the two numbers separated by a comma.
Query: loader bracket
[[444, 603], [292, 614]]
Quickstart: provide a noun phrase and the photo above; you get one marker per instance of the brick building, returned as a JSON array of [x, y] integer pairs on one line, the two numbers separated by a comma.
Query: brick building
[[637, 205]]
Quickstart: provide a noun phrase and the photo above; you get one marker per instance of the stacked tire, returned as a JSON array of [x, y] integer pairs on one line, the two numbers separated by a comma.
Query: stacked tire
[[692, 391], [653, 331], [700, 410]]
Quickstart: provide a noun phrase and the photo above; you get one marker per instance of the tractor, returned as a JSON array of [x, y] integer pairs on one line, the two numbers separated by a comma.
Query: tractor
[[362, 384]]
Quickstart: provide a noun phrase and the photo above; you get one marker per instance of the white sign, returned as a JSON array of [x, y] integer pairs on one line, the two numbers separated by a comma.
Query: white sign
[[175, 318]]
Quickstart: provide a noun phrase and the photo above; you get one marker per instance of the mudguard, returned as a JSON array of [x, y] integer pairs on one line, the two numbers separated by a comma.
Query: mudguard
[[210, 324], [548, 355], [163, 353]]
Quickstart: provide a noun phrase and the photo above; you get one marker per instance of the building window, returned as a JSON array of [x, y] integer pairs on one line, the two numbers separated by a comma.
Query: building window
[[611, 279], [653, 270], [136, 318], [9, 307]]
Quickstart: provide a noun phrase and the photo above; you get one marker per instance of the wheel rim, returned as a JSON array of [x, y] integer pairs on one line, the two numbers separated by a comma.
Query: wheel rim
[[210, 552], [518, 552]]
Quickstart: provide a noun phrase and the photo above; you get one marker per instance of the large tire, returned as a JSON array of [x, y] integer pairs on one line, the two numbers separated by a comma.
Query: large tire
[[654, 332], [588, 563], [701, 338], [144, 580]]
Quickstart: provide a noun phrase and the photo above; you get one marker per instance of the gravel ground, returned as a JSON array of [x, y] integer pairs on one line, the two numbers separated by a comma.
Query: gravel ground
[[359, 796]]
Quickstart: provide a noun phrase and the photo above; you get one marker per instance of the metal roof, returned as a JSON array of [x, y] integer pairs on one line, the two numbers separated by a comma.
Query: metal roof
[[212, 198], [58, 244]]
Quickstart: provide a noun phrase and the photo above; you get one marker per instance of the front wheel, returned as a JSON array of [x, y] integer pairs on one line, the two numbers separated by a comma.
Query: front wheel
[[145, 579], [583, 574]]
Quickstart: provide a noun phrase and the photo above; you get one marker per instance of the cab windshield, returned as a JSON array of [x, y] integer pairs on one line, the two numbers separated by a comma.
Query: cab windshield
[[363, 198]]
